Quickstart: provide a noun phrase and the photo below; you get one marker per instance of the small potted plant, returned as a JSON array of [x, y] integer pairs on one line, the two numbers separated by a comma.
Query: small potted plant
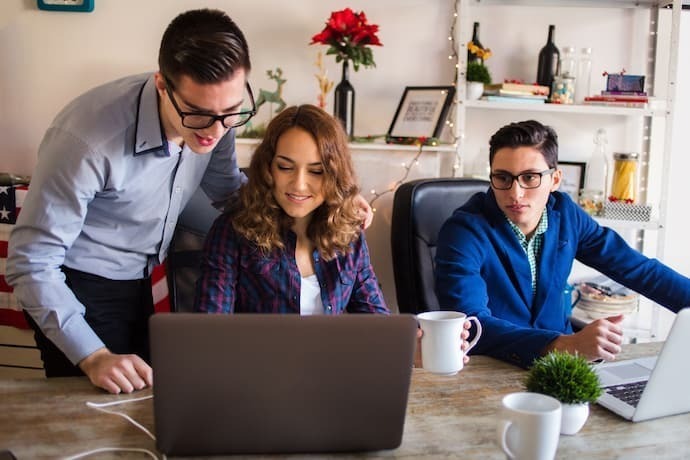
[[571, 380], [477, 73]]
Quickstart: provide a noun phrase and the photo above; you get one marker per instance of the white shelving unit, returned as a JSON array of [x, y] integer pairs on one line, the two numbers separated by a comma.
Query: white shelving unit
[[655, 121], [568, 108], [372, 146]]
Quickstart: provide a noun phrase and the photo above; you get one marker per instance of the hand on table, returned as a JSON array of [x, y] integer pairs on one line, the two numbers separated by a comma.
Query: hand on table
[[600, 339], [117, 373]]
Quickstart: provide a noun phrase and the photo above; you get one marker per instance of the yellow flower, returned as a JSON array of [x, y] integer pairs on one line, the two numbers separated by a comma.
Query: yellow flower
[[481, 53]]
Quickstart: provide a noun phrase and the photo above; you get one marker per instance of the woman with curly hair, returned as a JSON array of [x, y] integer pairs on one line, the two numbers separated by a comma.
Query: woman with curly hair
[[294, 243]]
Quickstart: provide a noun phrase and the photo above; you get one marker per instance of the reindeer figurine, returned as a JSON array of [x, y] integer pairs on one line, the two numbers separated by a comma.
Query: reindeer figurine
[[275, 97]]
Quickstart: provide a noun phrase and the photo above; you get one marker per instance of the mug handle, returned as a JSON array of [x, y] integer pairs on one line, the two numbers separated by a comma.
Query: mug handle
[[577, 297], [502, 432], [477, 335]]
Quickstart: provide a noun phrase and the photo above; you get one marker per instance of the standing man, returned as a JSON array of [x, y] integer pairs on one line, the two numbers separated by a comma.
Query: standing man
[[115, 170], [505, 257]]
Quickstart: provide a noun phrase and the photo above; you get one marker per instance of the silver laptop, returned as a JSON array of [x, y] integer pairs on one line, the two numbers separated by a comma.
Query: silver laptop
[[646, 388], [262, 383]]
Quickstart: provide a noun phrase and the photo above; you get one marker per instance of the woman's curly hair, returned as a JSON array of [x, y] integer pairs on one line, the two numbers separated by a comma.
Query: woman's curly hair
[[334, 224]]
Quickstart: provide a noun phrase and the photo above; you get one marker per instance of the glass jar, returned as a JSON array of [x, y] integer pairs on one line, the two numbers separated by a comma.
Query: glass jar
[[584, 75], [624, 183], [596, 176], [592, 201], [563, 90], [568, 64]]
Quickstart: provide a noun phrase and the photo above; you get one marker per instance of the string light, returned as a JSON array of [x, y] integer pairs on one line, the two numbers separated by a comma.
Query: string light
[[407, 167], [454, 56]]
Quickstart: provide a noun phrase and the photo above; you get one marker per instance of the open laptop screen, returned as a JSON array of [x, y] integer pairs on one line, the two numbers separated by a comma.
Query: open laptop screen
[[258, 383]]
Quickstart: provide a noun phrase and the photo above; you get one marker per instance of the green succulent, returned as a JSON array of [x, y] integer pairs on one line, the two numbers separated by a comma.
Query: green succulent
[[476, 71], [568, 378]]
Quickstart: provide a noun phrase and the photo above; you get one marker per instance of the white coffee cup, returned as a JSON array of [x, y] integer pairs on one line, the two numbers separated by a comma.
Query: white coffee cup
[[529, 426], [441, 341]]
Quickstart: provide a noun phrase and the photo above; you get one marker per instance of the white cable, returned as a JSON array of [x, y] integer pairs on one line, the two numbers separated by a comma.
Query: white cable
[[101, 408], [112, 449]]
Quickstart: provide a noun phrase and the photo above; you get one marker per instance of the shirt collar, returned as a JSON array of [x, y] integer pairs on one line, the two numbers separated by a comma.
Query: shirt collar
[[149, 137], [542, 226]]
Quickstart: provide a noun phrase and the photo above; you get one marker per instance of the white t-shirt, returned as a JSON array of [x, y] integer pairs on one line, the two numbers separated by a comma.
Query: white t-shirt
[[310, 296]]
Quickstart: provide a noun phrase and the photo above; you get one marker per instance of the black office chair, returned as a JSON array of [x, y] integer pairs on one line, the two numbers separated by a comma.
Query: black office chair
[[186, 248], [420, 208]]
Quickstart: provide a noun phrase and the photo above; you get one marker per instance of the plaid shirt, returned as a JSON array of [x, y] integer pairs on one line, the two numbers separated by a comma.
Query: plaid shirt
[[237, 277], [532, 246]]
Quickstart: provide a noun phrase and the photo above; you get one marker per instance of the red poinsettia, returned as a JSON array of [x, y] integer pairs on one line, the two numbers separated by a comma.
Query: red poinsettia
[[349, 37]]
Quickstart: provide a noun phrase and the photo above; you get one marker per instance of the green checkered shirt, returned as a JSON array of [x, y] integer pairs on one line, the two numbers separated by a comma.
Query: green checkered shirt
[[532, 246]]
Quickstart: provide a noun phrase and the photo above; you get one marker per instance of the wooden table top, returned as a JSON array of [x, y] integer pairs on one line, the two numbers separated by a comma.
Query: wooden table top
[[447, 417]]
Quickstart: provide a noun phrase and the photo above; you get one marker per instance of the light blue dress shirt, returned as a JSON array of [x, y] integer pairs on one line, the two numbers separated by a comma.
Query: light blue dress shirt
[[104, 199]]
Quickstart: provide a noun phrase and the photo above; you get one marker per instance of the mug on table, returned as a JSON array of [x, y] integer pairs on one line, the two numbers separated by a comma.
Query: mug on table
[[441, 341], [529, 426]]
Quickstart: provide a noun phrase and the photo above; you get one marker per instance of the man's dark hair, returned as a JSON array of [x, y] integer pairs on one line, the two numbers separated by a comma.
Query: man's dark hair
[[205, 45], [528, 133]]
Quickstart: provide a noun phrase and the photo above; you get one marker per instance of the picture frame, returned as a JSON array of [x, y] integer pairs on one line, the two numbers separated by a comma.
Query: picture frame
[[573, 177], [421, 113]]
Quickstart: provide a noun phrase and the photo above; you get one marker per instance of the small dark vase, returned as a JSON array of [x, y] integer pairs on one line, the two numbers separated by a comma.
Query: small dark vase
[[344, 105], [471, 57], [549, 56]]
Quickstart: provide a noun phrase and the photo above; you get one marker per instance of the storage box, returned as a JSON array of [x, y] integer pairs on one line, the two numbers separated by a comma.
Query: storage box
[[626, 211]]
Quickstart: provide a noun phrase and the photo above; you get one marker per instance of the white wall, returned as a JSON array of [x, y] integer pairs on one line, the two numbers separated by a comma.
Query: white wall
[[677, 244], [47, 58], [50, 57]]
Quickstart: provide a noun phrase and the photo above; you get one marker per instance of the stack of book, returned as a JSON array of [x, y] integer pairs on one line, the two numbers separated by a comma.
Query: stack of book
[[636, 99], [516, 92]]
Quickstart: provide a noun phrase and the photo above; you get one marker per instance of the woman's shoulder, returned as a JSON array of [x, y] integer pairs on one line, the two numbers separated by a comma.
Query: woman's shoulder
[[222, 227]]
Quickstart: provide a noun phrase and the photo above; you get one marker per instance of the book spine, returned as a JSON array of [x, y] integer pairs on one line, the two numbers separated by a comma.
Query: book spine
[[624, 93], [518, 100], [637, 105], [642, 99]]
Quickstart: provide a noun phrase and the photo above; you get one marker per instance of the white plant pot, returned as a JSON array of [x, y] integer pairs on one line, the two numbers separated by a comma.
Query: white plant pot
[[573, 417], [474, 90]]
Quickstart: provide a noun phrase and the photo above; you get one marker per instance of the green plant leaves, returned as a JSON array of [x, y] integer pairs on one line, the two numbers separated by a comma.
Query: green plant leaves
[[568, 378]]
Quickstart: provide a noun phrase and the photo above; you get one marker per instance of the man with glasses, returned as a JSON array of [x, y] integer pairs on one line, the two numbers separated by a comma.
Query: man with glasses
[[505, 257], [116, 168]]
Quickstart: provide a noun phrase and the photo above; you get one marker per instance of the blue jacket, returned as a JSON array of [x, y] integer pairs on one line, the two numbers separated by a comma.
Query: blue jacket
[[482, 270]]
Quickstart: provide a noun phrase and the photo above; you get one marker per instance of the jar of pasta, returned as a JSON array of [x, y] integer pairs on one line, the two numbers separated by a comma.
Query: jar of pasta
[[624, 183]]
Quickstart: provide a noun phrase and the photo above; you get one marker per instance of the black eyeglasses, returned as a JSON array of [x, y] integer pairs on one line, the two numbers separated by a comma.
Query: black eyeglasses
[[504, 181], [201, 120]]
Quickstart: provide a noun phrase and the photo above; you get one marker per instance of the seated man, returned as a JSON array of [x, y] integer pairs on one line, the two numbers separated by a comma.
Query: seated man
[[505, 257]]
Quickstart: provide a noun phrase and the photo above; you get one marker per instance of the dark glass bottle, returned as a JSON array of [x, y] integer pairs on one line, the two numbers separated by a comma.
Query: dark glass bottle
[[549, 57], [344, 104], [475, 39]]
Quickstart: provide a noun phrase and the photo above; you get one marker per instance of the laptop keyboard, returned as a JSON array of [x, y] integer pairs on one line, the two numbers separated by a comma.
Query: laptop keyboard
[[628, 392]]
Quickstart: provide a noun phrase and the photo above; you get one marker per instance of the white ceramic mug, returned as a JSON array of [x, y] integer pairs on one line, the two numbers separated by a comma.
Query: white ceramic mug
[[441, 341], [529, 426]]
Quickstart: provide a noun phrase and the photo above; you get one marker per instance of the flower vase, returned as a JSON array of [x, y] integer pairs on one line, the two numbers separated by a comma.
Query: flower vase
[[344, 105], [474, 90], [573, 417]]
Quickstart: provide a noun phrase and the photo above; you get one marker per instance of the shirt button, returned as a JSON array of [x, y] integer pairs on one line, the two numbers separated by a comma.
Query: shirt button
[[329, 308], [178, 189]]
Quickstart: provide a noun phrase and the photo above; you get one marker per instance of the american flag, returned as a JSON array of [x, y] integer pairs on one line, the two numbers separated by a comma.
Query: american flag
[[11, 200]]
